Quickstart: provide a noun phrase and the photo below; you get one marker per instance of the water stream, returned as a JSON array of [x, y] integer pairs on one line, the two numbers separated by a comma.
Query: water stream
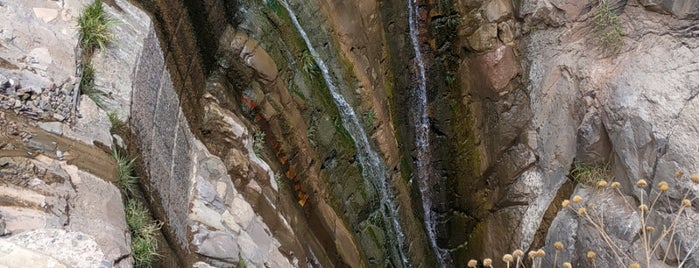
[[422, 137], [373, 169]]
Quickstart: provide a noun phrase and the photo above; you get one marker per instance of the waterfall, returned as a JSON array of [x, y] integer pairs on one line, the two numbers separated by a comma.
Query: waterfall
[[373, 168], [422, 138]]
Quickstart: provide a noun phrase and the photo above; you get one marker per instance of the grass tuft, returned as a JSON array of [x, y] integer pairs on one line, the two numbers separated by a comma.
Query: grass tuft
[[308, 64], [370, 118], [115, 121], [95, 27], [144, 246], [590, 174], [125, 178], [87, 85]]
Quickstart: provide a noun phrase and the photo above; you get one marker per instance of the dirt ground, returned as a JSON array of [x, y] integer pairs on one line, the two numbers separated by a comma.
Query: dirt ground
[[20, 136]]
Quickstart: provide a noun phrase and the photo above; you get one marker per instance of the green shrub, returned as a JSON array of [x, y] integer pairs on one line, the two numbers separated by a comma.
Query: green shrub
[[607, 27], [95, 27]]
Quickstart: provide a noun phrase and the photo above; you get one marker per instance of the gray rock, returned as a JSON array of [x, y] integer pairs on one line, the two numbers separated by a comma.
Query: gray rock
[[639, 106], [13, 255], [75, 249], [53, 127], [242, 212], [682, 9], [219, 245]]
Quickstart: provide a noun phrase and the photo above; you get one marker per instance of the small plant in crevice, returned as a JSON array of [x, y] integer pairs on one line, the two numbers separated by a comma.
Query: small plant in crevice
[[258, 142], [590, 174], [312, 129], [144, 245], [607, 28], [87, 84], [279, 179], [115, 121], [95, 27], [125, 178], [308, 64], [370, 118]]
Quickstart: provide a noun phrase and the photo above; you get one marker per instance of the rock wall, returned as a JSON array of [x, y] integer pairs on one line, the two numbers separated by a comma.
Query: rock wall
[[535, 93], [206, 216], [638, 101]]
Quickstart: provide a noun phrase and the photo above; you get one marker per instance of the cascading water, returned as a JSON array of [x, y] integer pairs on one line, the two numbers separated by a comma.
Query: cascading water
[[422, 138], [373, 168]]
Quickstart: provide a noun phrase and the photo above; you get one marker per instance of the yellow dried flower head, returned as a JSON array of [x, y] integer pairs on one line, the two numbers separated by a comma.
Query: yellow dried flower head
[[650, 229], [577, 199], [686, 203], [507, 258], [582, 211], [487, 262], [532, 254], [642, 183], [602, 183], [679, 173], [616, 184], [540, 253], [565, 203], [643, 208], [558, 245], [567, 265], [663, 186], [472, 263], [518, 253], [591, 254], [635, 265], [695, 178]]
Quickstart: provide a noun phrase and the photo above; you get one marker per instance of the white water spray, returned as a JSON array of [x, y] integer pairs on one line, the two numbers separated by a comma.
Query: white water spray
[[422, 138]]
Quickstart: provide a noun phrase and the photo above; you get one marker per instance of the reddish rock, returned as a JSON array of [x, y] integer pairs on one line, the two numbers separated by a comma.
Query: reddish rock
[[498, 67]]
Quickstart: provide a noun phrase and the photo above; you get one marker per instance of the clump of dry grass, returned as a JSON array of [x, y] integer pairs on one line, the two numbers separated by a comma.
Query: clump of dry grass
[[651, 244], [591, 174]]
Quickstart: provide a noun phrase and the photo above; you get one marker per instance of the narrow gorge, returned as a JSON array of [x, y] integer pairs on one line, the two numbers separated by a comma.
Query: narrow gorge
[[335, 133]]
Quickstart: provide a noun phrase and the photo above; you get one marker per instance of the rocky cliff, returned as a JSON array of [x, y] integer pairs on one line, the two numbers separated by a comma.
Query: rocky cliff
[[283, 133]]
